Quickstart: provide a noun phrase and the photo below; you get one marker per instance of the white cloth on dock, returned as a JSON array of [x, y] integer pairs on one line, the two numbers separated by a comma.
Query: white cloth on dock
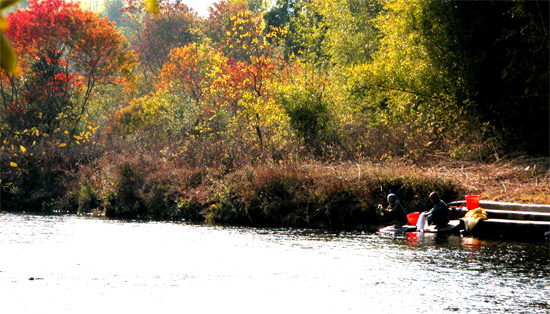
[[422, 223]]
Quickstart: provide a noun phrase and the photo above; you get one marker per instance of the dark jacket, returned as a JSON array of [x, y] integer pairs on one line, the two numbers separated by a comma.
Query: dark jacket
[[395, 212], [439, 215]]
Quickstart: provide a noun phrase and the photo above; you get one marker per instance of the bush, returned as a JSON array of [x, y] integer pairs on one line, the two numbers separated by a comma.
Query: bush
[[126, 199], [321, 196], [37, 178], [143, 186]]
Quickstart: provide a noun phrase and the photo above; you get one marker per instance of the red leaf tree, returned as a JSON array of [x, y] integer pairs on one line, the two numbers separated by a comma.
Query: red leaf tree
[[64, 52]]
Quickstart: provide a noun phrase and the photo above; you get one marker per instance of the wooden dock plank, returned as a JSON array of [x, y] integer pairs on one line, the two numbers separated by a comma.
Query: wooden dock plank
[[540, 208], [517, 215]]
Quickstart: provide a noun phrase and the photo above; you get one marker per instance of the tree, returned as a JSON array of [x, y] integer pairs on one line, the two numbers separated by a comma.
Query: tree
[[403, 95], [307, 33], [189, 76], [64, 54], [254, 60], [218, 23], [469, 77], [497, 52], [188, 73], [304, 96], [341, 30], [282, 15], [154, 36]]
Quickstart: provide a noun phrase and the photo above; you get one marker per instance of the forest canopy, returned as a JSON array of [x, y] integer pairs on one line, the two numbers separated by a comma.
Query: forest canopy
[[255, 82]]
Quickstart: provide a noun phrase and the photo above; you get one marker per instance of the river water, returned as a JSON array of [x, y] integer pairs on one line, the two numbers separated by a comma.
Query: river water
[[90, 265]]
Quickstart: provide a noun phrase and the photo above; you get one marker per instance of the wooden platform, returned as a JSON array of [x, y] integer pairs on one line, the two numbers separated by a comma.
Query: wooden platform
[[517, 215], [511, 221], [506, 221]]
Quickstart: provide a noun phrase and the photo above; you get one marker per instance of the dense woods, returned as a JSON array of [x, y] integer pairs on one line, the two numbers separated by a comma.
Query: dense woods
[[303, 112]]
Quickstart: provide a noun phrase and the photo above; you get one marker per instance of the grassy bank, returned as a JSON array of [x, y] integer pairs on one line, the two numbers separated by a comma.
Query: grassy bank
[[338, 195], [343, 196], [520, 180]]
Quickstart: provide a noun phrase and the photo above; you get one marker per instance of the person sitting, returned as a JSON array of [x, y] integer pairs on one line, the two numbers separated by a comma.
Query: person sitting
[[439, 215], [394, 212]]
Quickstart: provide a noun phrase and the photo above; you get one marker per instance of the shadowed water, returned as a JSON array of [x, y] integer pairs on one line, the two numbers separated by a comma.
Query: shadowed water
[[87, 265]]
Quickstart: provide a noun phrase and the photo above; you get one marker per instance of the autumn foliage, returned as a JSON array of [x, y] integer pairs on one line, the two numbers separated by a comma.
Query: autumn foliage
[[64, 54]]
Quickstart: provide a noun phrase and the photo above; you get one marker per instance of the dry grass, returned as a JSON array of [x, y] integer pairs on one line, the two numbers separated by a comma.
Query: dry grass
[[520, 180]]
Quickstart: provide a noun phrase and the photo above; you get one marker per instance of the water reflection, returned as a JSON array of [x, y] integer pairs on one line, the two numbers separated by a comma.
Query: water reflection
[[91, 265]]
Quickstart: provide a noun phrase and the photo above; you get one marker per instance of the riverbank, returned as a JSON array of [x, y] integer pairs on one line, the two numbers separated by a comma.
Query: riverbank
[[315, 195], [338, 195]]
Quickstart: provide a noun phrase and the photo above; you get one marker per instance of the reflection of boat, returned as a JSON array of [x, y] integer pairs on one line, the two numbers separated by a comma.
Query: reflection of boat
[[511, 221], [451, 228], [403, 229]]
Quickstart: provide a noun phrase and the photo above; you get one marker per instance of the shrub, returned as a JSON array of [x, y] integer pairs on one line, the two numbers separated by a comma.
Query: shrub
[[34, 179], [321, 196]]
